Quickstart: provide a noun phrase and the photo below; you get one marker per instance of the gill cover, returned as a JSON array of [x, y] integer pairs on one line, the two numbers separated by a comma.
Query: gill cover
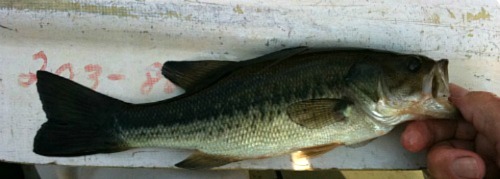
[[361, 88], [368, 84]]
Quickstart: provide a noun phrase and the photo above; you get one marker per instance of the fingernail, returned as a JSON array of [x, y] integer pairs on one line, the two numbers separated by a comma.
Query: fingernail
[[465, 167]]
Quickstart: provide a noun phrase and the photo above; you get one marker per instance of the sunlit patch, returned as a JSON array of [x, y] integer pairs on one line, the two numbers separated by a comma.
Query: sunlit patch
[[300, 162]]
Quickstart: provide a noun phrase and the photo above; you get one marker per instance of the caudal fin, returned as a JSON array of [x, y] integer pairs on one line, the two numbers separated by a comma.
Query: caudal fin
[[80, 120]]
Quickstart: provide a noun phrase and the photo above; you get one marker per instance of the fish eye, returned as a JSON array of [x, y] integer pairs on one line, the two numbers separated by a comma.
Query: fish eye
[[414, 64]]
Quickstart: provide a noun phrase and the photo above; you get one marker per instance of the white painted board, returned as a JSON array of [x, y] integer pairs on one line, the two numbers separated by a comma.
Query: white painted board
[[112, 46]]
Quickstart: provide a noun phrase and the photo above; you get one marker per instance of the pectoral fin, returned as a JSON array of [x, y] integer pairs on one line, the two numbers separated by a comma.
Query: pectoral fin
[[192, 75], [199, 160], [318, 113]]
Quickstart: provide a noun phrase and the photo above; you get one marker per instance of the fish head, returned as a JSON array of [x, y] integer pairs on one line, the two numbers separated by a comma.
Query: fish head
[[410, 88]]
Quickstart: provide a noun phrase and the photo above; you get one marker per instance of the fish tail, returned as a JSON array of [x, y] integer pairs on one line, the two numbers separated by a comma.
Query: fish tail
[[80, 120]]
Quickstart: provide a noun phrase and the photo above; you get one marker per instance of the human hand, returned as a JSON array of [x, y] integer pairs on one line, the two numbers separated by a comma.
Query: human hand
[[464, 148]]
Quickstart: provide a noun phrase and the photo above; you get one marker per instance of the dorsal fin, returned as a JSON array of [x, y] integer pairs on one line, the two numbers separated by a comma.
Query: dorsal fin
[[277, 56], [192, 74]]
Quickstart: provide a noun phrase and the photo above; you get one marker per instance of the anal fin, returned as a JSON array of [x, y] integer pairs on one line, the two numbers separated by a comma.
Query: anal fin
[[200, 160], [360, 144], [315, 151]]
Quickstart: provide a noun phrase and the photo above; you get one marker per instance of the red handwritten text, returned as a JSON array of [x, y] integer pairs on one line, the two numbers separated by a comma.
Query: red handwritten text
[[68, 67], [116, 77], [169, 87], [94, 76], [153, 75], [151, 80], [147, 86], [27, 79]]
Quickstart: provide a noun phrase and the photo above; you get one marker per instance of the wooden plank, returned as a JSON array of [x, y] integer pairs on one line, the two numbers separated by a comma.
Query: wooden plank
[[65, 172], [120, 43]]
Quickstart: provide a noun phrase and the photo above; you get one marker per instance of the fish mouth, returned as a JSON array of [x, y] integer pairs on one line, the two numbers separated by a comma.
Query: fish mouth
[[432, 103], [435, 93], [435, 83]]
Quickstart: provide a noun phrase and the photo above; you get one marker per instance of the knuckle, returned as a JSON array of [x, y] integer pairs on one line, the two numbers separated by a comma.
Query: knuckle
[[483, 95]]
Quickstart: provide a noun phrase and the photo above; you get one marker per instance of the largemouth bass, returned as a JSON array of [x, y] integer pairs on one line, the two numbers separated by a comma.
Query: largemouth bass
[[297, 99]]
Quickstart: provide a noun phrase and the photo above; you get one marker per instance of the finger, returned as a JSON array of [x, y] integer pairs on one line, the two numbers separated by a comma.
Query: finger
[[492, 170], [463, 144], [486, 148], [457, 91], [479, 108], [446, 161], [416, 136], [419, 135], [465, 130]]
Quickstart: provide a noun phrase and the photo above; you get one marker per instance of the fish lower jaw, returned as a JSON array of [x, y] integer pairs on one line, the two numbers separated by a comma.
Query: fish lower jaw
[[439, 108], [395, 120], [431, 106], [425, 108], [387, 114]]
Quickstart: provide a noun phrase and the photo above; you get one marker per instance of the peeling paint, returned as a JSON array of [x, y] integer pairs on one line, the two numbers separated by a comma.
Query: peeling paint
[[174, 14], [238, 9], [482, 15], [451, 14], [8, 28], [435, 19], [177, 15], [65, 6], [189, 17]]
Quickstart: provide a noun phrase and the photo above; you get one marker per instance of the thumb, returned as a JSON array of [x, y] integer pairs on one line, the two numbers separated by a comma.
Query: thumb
[[446, 161]]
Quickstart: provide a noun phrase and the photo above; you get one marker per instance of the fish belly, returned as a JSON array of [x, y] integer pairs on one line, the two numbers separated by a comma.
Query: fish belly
[[255, 134]]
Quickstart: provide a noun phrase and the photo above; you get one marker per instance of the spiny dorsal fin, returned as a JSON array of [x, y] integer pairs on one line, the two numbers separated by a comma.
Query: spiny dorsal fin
[[193, 74], [278, 56], [318, 113], [200, 160]]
